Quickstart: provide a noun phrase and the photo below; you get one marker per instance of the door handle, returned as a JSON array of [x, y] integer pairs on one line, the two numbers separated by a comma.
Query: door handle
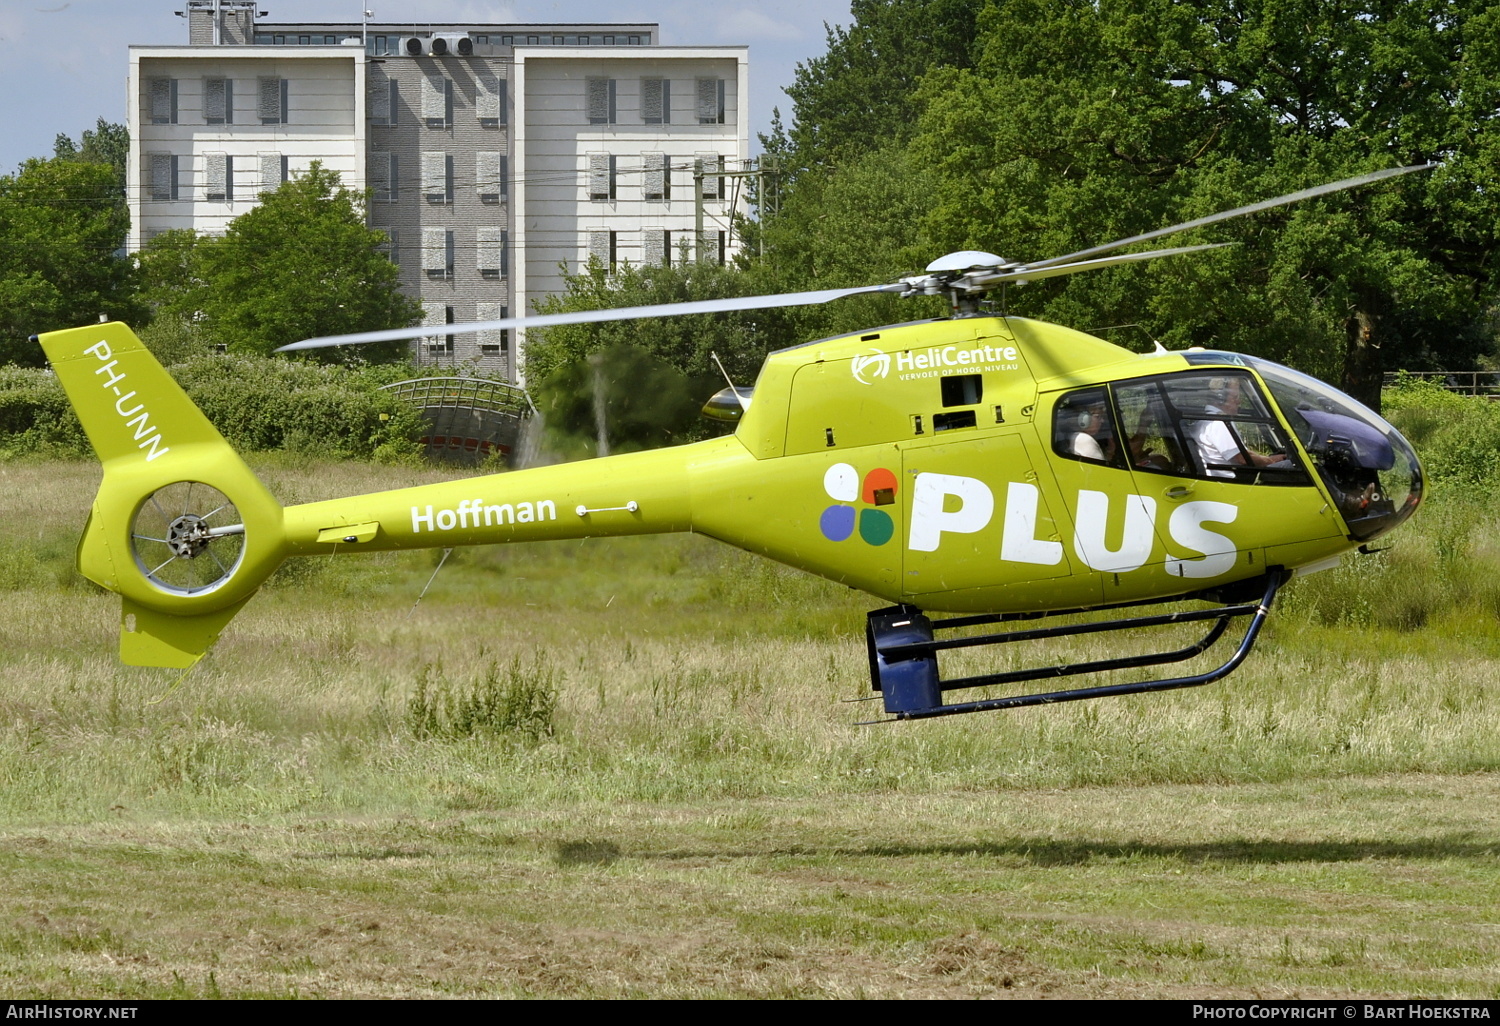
[[1178, 491]]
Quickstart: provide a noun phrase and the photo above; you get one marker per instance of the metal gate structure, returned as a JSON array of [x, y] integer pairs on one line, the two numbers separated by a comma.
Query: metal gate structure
[[468, 419]]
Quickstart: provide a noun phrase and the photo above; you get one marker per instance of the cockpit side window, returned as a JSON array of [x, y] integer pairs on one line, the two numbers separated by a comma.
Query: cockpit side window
[[1207, 425], [1151, 434], [1083, 429]]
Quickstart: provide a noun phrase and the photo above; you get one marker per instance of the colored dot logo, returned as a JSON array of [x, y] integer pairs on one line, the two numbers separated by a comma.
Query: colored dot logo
[[843, 485]]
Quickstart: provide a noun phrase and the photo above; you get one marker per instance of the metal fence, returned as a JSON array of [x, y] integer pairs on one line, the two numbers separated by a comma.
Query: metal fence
[[467, 419], [1477, 382]]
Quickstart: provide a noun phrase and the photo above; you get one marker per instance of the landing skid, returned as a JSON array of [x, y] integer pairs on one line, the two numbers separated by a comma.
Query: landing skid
[[904, 651]]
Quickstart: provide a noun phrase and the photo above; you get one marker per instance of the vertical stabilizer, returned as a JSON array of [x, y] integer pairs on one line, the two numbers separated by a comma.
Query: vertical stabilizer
[[181, 528]]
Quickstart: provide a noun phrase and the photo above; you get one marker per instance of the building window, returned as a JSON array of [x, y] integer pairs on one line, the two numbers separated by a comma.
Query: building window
[[533, 40], [385, 182], [601, 101], [489, 101], [493, 341], [656, 101], [384, 46], [438, 317], [437, 101], [218, 101], [558, 40], [392, 245], [437, 253], [163, 101], [713, 185], [656, 177], [490, 172], [656, 247], [437, 176], [492, 247], [609, 40], [273, 170], [710, 101], [217, 177], [602, 244], [273, 101], [601, 176], [635, 41], [723, 243], [164, 169], [383, 95]]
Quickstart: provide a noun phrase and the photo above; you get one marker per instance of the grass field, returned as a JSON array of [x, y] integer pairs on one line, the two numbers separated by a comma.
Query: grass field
[[626, 769]]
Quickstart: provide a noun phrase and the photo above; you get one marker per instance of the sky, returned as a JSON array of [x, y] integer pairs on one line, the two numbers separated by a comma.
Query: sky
[[63, 64]]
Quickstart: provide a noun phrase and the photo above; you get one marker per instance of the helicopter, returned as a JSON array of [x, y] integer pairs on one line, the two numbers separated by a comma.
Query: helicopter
[[1000, 468]]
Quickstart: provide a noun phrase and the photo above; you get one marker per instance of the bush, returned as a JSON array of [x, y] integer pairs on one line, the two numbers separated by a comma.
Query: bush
[[1457, 437], [264, 404], [521, 702], [35, 416], [258, 404]]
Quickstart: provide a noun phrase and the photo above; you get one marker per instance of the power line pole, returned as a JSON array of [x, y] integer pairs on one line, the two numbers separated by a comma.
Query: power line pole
[[698, 176], [698, 211]]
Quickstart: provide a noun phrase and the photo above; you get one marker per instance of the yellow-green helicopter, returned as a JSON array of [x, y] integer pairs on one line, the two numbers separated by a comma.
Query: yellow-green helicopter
[[987, 465]]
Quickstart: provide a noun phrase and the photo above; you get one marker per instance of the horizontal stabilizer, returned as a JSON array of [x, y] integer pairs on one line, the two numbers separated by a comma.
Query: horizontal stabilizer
[[150, 638]]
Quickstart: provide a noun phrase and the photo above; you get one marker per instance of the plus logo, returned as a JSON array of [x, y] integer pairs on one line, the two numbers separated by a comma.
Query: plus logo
[[844, 487]]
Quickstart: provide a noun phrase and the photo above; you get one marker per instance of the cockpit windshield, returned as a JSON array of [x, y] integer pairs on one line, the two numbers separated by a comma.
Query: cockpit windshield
[[1371, 471]]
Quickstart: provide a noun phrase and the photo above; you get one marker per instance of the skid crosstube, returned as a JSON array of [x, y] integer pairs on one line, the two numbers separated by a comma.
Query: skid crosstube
[[904, 651]]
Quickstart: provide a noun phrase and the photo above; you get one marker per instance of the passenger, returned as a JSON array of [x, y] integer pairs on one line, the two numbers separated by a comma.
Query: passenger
[[1092, 442], [1142, 444]]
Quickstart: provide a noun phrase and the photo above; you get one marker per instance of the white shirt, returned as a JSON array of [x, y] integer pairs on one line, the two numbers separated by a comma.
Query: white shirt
[[1215, 444], [1087, 446]]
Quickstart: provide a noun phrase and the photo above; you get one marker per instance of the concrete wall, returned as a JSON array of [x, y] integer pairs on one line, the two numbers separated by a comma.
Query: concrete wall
[[555, 140], [322, 124], [410, 211]]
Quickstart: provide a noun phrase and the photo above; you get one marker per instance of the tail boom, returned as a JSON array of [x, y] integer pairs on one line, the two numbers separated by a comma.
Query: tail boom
[[634, 493]]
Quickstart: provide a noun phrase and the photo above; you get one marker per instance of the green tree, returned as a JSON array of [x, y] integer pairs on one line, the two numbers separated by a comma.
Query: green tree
[[620, 399], [681, 342], [1084, 122], [647, 378], [861, 94], [301, 263], [107, 143], [170, 272], [62, 233], [859, 224]]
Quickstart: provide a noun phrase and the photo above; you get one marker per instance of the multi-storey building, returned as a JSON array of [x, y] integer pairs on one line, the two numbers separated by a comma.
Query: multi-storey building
[[494, 156]]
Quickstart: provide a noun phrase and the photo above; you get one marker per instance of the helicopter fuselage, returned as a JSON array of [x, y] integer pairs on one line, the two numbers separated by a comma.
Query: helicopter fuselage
[[924, 463]]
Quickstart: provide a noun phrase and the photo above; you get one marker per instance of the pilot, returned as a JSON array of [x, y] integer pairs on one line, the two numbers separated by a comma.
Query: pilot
[[1216, 443]]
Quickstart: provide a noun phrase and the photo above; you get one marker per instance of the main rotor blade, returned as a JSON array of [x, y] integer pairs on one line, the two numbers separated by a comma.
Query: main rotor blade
[[1291, 197], [629, 313], [1034, 273]]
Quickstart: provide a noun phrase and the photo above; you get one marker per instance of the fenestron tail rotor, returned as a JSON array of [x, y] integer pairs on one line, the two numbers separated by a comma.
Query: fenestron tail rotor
[[963, 277], [187, 538]]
